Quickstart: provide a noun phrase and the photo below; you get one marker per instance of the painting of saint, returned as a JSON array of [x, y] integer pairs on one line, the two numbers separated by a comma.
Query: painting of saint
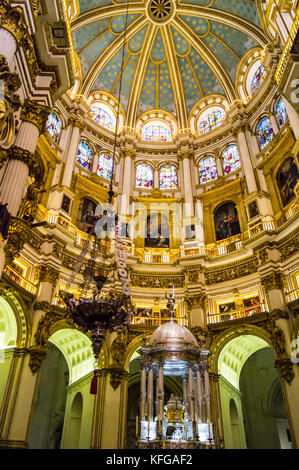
[[226, 221], [253, 209], [157, 231], [226, 309], [287, 178], [252, 305]]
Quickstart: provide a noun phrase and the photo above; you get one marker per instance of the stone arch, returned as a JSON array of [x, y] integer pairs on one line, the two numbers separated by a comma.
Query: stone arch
[[13, 310]]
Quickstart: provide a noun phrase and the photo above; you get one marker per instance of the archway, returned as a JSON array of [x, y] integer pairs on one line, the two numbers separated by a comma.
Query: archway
[[8, 340], [247, 378], [66, 371]]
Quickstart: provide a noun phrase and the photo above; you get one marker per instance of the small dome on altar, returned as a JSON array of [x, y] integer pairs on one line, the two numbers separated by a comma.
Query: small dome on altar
[[172, 334]]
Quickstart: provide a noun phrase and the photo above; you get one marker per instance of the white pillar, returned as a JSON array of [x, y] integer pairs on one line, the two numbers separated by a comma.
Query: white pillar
[[199, 230], [219, 166], [95, 164], [246, 162], [156, 180], [274, 124], [126, 186], [187, 184], [71, 155], [27, 137], [8, 46], [293, 117], [13, 185], [143, 392]]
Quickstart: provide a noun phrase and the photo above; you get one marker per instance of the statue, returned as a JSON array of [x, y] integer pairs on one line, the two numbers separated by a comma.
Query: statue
[[170, 303], [30, 203]]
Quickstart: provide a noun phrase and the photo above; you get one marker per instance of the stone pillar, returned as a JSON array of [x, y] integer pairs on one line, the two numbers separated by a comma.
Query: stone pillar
[[150, 393], [48, 279], [156, 179], [216, 414], [21, 158], [199, 396], [161, 391], [293, 117], [199, 229], [274, 123], [219, 166], [127, 181], [143, 392], [8, 45], [246, 161], [71, 153], [95, 164], [191, 393], [17, 403]]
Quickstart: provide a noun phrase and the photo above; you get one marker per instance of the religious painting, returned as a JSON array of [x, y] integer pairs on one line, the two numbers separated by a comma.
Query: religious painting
[[144, 316], [252, 305], [87, 209], [226, 221], [226, 309], [66, 203], [253, 209], [157, 231], [287, 178]]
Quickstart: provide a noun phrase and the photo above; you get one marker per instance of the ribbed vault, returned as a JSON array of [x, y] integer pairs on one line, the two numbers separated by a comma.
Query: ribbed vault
[[170, 62]]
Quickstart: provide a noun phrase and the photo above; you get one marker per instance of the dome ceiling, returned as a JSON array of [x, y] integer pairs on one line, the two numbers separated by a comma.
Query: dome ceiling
[[176, 52]]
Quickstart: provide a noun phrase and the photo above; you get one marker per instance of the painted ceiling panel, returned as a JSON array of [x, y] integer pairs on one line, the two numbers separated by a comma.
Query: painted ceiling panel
[[87, 33], [190, 84], [148, 92], [226, 57], [166, 99], [225, 44]]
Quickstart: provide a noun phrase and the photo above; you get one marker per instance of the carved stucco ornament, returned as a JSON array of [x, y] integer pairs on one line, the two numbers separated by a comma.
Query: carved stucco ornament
[[9, 103], [19, 233]]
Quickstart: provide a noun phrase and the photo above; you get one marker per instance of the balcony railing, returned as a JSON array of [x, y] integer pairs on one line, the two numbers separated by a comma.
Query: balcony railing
[[20, 280], [292, 295], [156, 320], [234, 315]]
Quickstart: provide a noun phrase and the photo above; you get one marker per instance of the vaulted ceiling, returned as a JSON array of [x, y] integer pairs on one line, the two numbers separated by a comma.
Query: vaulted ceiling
[[175, 53]]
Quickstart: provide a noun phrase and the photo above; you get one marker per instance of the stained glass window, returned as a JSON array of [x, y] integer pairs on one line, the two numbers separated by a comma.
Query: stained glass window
[[168, 177], [264, 132], [144, 176], [231, 159], [103, 115], [207, 170], [210, 120], [257, 80], [156, 131], [54, 126], [84, 155], [105, 166], [281, 112]]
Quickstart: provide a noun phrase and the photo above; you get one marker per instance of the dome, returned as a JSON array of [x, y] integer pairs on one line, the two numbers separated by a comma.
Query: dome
[[175, 55], [171, 334]]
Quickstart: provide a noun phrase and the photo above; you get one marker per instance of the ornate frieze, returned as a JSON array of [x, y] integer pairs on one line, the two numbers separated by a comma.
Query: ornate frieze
[[9, 103], [157, 281], [231, 272], [48, 274], [285, 368], [195, 301], [272, 281]]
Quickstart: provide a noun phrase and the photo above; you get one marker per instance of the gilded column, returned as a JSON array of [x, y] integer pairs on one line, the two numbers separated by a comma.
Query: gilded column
[[71, 152], [246, 161], [21, 158]]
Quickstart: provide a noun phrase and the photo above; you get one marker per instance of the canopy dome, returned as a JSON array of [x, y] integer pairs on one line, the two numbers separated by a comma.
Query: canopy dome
[[172, 334], [176, 53]]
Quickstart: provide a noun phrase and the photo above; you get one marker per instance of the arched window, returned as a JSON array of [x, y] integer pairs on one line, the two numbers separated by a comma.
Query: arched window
[[226, 221], [257, 80], [281, 112], [54, 126], [168, 177], [156, 131], [287, 178], [231, 159], [105, 166], [103, 115], [144, 176], [207, 170], [84, 155], [211, 119], [264, 132]]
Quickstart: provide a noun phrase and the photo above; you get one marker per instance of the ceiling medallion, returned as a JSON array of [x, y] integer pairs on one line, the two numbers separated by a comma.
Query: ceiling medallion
[[160, 11]]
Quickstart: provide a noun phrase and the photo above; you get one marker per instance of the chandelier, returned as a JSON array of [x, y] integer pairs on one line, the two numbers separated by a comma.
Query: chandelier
[[96, 314]]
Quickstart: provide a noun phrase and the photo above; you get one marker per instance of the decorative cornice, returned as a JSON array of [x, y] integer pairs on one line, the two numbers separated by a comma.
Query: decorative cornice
[[272, 281], [48, 274]]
